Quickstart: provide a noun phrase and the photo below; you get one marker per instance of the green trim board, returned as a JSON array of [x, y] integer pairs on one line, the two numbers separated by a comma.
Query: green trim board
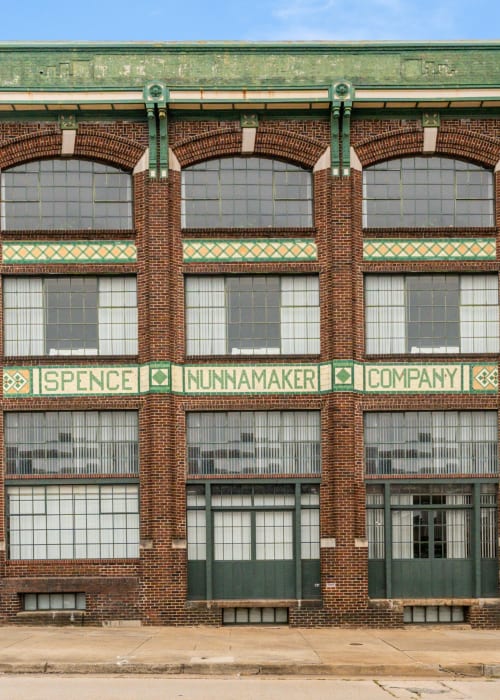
[[251, 379], [131, 65], [389, 249], [32, 253], [249, 250]]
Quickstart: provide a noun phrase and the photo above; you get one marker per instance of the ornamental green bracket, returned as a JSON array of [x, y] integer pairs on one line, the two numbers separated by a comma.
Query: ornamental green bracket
[[341, 97], [156, 96], [334, 138]]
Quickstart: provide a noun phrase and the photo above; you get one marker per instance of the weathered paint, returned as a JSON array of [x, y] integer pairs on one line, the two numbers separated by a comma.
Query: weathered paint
[[131, 65]]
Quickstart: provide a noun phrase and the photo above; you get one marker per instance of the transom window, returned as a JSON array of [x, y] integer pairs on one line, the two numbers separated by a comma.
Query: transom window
[[246, 193], [431, 313], [71, 442], [427, 192], [85, 521], [66, 194], [431, 442], [252, 315], [70, 315], [254, 442]]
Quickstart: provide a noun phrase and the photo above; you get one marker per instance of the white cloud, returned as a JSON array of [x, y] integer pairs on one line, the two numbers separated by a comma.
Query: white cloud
[[338, 20]]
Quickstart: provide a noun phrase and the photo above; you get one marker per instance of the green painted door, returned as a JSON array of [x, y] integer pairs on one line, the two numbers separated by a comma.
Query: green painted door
[[431, 553], [253, 554]]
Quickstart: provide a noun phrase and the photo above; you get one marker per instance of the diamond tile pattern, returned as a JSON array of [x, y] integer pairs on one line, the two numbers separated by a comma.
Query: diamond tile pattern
[[485, 378], [249, 250], [69, 252], [430, 249], [16, 381]]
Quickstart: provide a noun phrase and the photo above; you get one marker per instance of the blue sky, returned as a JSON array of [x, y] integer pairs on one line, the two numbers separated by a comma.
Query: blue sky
[[256, 20]]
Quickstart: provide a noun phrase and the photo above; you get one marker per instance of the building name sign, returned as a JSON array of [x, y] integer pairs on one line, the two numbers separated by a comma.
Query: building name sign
[[276, 379], [258, 379], [89, 380], [422, 378]]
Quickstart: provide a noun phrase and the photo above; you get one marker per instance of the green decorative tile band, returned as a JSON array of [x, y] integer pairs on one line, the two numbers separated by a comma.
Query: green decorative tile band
[[24, 252], [250, 250], [196, 380], [429, 249]]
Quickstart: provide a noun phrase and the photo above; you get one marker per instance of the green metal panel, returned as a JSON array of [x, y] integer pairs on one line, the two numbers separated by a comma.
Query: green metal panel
[[432, 578], [489, 578], [197, 589], [311, 581], [253, 579], [376, 578]]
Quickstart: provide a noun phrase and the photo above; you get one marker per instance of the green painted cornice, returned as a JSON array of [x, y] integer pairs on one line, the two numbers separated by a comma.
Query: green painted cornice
[[45, 66]]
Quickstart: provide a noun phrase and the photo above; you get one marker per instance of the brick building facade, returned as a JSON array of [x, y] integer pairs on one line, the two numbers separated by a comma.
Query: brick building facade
[[250, 333]]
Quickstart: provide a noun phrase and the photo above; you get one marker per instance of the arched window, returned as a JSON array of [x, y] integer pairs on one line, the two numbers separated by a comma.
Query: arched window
[[66, 194], [427, 192], [246, 193]]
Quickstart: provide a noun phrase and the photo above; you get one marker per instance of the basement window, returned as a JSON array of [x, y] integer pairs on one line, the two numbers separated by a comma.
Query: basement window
[[255, 616], [54, 601], [433, 614]]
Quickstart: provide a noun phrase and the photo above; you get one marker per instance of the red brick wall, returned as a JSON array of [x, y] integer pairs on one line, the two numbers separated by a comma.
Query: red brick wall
[[154, 586]]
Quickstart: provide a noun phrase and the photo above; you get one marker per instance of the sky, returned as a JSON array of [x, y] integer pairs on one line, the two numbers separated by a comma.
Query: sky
[[254, 20]]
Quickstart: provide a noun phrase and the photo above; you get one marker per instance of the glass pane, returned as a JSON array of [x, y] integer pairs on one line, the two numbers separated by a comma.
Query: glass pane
[[66, 194]]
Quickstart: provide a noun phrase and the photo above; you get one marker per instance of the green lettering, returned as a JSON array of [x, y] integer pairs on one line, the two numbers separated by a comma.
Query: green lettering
[[285, 377], [67, 377], [438, 376], [244, 381], [109, 386], [451, 375], [95, 381], [425, 379], [413, 377], [50, 381], [386, 378], [193, 379], [373, 372], [80, 373], [127, 375], [258, 378], [218, 379], [310, 379], [298, 379], [274, 380], [230, 379]]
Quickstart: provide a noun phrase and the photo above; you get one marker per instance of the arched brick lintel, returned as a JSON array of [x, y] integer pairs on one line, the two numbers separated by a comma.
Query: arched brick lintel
[[466, 145], [269, 143], [36, 146], [115, 151], [457, 143]]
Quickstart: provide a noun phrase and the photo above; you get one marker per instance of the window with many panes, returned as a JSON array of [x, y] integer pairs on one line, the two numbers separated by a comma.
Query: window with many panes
[[246, 193], [54, 601], [73, 521], [271, 535], [254, 442], [427, 192], [431, 442], [431, 521], [252, 315], [65, 194], [441, 313], [70, 315], [71, 442]]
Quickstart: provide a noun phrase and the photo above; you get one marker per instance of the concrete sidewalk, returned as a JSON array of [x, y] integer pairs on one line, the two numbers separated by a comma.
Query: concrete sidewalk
[[411, 651]]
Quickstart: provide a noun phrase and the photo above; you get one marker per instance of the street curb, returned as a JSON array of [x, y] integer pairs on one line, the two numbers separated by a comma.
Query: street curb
[[468, 670]]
